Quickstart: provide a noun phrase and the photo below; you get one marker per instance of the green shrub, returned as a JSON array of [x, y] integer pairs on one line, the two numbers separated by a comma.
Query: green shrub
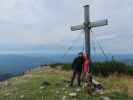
[[63, 66], [66, 66], [54, 65], [108, 68]]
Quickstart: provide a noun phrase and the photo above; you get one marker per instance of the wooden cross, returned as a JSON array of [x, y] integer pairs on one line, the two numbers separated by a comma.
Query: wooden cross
[[86, 26]]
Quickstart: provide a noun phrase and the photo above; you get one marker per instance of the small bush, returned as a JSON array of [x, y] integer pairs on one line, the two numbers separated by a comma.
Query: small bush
[[54, 65], [63, 66]]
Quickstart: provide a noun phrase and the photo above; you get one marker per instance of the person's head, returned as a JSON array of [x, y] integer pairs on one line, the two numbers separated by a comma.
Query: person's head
[[80, 54], [85, 55]]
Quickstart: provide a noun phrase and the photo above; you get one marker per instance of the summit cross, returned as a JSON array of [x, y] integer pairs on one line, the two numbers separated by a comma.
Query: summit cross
[[86, 26]]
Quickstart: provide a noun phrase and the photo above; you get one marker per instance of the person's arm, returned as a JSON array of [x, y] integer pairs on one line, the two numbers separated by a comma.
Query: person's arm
[[83, 63], [73, 64]]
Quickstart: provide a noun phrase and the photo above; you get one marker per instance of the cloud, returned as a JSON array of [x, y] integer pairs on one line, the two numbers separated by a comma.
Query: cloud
[[48, 22]]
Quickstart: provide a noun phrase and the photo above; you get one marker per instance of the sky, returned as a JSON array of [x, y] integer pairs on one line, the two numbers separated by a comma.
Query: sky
[[44, 25]]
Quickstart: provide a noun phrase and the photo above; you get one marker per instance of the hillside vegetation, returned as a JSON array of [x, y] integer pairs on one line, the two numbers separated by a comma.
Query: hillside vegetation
[[104, 68], [46, 83]]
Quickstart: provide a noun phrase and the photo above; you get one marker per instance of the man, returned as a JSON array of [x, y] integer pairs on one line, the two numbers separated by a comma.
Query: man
[[77, 68]]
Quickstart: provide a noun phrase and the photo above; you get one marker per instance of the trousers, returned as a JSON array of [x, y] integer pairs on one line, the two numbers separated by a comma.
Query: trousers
[[78, 74]]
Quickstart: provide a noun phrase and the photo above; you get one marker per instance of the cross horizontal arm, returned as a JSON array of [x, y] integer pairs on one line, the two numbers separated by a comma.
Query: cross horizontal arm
[[78, 27], [99, 23]]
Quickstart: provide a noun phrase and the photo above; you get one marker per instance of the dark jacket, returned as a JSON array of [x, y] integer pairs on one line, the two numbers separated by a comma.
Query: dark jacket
[[77, 64]]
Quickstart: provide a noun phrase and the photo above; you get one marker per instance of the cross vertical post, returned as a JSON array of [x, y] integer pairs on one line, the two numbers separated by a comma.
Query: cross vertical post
[[87, 31]]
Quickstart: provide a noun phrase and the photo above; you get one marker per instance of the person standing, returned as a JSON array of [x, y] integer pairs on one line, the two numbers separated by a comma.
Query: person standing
[[77, 66], [85, 66]]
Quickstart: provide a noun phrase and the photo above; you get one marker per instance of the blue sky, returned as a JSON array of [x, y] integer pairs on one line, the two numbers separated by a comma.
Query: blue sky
[[44, 25]]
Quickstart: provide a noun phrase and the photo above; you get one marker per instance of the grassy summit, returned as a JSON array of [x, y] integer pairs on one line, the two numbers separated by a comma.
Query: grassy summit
[[52, 84]]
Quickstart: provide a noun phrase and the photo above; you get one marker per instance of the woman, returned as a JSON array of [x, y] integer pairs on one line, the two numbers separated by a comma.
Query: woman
[[85, 66]]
